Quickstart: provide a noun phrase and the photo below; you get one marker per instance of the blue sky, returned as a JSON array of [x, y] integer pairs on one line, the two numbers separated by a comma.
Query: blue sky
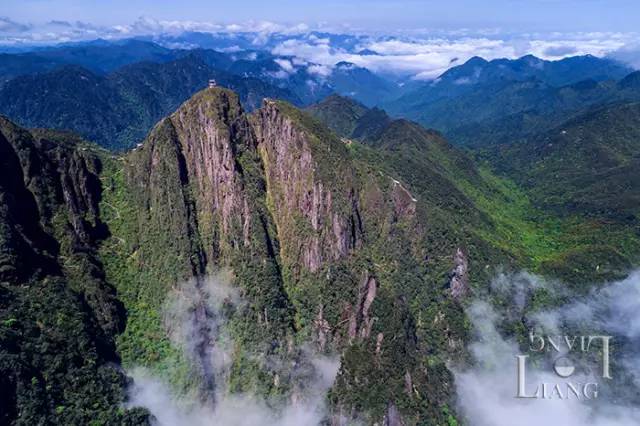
[[384, 15]]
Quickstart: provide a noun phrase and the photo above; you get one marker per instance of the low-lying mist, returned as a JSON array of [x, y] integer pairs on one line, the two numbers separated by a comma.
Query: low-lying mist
[[230, 410], [504, 320], [196, 321], [487, 390]]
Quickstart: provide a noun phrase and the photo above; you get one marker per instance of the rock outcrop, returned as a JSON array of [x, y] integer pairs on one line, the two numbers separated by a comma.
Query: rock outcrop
[[199, 176], [57, 213], [361, 319], [392, 418], [325, 241], [301, 221], [459, 283], [314, 206], [58, 315]]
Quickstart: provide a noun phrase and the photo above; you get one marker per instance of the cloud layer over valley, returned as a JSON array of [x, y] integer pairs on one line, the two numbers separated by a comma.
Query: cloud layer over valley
[[487, 391], [195, 317], [421, 54]]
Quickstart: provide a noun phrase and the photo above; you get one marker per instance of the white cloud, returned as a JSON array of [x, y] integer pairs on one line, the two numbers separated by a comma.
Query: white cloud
[[280, 75], [426, 58], [12, 32], [596, 47], [486, 391], [231, 49], [320, 70], [195, 322], [629, 53], [285, 64], [148, 25], [232, 410], [422, 54]]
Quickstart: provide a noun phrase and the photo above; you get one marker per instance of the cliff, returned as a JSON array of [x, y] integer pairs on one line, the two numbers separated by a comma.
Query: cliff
[[58, 314], [324, 244], [362, 249]]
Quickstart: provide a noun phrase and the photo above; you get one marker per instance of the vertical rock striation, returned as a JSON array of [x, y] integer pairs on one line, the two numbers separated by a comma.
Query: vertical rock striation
[[310, 188], [58, 315], [459, 283]]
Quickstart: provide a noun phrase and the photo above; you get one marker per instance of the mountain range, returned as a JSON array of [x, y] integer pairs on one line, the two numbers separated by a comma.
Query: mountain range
[[491, 102], [115, 79], [341, 230], [305, 223]]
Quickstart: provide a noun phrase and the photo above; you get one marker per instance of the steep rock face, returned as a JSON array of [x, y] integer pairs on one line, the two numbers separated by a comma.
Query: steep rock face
[[199, 172], [355, 299], [199, 178], [160, 191], [316, 206], [62, 181], [392, 417], [459, 283], [20, 220], [360, 321], [58, 315], [208, 134], [76, 223], [321, 243]]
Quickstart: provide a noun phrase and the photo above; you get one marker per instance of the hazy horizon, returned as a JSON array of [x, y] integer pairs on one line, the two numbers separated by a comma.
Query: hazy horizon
[[378, 15], [422, 46]]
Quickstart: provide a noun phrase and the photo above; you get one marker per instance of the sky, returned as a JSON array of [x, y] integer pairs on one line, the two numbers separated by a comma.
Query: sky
[[376, 15]]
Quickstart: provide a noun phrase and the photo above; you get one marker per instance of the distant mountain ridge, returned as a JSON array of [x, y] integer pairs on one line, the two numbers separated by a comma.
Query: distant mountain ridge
[[603, 177], [490, 102], [113, 92], [118, 109], [310, 82], [99, 57], [556, 73], [476, 103]]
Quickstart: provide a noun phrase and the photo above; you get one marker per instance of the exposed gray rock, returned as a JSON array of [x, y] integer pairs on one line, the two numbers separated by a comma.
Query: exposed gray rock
[[322, 328], [459, 283], [360, 320], [392, 418]]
